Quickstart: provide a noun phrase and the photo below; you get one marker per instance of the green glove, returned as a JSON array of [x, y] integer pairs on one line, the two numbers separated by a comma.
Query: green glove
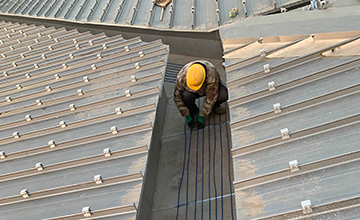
[[190, 122], [200, 122], [188, 119]]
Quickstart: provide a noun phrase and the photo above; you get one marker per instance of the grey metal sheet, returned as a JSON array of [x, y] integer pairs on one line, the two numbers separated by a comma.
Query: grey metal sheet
[[92, 11], [101, 198], [307, 150], [297, 94], [321, 187], [78, 155]]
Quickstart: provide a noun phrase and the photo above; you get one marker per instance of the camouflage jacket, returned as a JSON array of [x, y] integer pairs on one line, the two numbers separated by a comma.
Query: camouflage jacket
[[209, 89]]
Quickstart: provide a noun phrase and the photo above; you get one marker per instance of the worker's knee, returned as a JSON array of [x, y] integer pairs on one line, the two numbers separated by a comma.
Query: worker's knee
[[223, 94]]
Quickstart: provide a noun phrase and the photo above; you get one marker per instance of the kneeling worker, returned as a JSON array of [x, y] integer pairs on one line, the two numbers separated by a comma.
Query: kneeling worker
[[197, 79]]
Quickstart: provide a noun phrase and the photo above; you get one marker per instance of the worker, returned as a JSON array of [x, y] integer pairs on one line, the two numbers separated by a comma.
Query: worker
[[197, 79]]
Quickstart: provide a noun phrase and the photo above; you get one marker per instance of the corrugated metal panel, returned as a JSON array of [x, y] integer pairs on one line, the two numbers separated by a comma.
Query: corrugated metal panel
[[59, 93], [315, 100], [179, 14]]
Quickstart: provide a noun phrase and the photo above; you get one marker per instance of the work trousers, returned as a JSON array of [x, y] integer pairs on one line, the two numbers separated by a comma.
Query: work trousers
[[190, 97]]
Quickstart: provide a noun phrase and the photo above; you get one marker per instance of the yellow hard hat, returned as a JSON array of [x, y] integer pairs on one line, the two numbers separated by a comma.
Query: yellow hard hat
[[195, 76]]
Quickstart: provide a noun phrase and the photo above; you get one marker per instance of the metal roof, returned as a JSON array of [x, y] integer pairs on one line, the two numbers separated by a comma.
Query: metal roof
[[178, 15], [294, 124], [74, 106]]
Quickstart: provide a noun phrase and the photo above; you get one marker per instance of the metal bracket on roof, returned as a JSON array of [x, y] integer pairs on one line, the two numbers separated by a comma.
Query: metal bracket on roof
[[285, 133], [267, 68], [93, 67], [52, 144], [11, 47], [271, 86], [25, 34], [64, 65], [75, 41], [27, 75], [5, 73], [18, 86], [294, 165], [43, 56], [283, 10], [49, 36], [57, 76], [3, 55], [77, 46], [107, 152], [127, 93], [80, 92], [133, 78], [14, 64], [114, 130], [63, 124], [56, 40], [24, 193], [141, 53], [104, 46], [36, 66], [71, 56], [86, 211], [39, 34], [262, 53], [18, 41], [2, 155], [39, 166], [98, 179], [277, 108], [16, 135], [137, 65], [8, 35], [39, 102], [8, 99], [86, 79], [72, 107], [36, 40], [28, 117], [48, 88], [126, 48], [1, 42], [118, 111], [22, 55], [50, 48], [91, 43], [306, 206], [99, 56]]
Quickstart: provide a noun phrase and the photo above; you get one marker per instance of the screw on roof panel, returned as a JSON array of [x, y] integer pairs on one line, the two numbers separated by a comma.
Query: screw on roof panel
[[141, 54], [114, 130], [3, 55], [91, 43], [22, 55], [64, 65], [38, 102], [306, 206], [57, 76], [277, 108], [99, 56], [24, 193], [98, 179], [133, 78], [93, 67], [11, 47], [137, 65], [271, 86], [283, 10], [36, 66], [107, 151], [5, 73], [86, 211], [8, 99], [27, 75], [18, 41], [52, 144], [71, 56], [75, 41], [18, 86], [80, 92], [63, 124], [86, 79], [104, 46], [127, 49], [48, 88], [285, 133], [72, 107], [267, 68], [127, 93], [16, 135], [294, 165], [43, 56], [39, 166], [77, 46], [50, 48], [2, 155], [28, 117], [14, 64], [118, 111], [56, 40], [30, 48]]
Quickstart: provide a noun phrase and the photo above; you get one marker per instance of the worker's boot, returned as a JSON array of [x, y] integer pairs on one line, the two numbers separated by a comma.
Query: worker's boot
[[218, 109]]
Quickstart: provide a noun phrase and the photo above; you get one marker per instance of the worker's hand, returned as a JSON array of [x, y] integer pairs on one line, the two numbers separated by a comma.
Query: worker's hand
[[190, 121], [200, 122]]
